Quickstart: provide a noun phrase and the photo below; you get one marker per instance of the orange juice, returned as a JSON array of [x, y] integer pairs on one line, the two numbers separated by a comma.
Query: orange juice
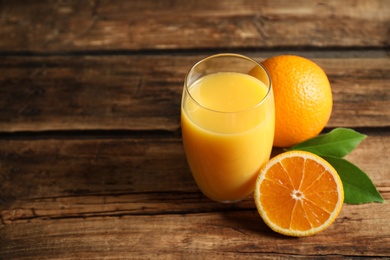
[[228, 129]]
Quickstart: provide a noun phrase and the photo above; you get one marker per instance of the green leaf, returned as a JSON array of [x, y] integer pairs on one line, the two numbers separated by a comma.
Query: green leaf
[[337, 143], [358, 187]]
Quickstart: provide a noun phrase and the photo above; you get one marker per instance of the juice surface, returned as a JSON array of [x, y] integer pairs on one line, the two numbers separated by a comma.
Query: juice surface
[[227, 133]]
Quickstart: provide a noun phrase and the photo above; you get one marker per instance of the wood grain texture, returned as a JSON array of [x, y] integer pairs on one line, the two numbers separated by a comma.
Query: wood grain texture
[[64, 178], [93, 166], [147, 24], [232, 235], [91, 160], [143, 92], [135, 197]]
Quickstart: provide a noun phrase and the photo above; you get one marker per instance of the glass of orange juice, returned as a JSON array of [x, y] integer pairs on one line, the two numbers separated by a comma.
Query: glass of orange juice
[[228, 121]]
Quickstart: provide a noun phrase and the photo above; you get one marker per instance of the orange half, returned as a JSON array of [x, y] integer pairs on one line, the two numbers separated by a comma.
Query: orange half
[[298, 194]]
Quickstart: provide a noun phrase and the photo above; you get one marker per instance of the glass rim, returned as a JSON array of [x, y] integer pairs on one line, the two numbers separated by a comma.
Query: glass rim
[[233, 55]]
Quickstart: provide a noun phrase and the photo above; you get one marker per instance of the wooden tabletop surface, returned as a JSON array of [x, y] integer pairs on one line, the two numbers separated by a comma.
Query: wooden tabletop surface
[[91, 158]]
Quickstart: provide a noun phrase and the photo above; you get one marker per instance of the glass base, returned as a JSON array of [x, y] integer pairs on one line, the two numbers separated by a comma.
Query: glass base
[[229, 201]]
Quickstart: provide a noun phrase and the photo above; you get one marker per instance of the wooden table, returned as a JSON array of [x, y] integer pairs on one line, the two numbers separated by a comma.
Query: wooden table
[[91, 159]]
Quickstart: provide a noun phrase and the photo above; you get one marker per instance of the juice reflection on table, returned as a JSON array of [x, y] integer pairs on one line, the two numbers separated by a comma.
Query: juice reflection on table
[[228, 128]]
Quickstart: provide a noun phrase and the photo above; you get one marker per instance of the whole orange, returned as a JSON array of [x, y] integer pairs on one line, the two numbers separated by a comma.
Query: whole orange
[[303, 98]]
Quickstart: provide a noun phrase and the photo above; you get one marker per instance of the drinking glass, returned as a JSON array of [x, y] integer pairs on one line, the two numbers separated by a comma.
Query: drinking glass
[[227, 121]]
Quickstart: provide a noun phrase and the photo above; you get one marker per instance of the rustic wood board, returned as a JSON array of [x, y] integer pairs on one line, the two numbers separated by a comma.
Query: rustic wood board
[[58, 26], [143, 92], [232, 235], [91, 160], [135, 196], [82, 177]]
